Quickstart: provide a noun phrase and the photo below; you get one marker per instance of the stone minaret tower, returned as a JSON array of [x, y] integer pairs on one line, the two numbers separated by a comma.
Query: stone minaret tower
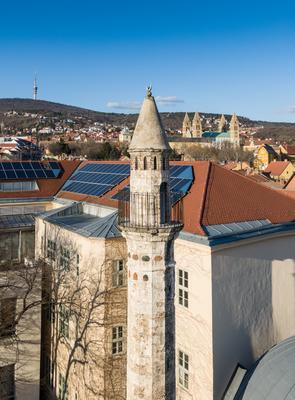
[[186, 126], [35, 89], [197, 126], [222, 124], [234, 129], [150, 235]]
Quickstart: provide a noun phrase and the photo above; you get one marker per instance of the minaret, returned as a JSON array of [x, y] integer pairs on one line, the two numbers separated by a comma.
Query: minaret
[[197, 126], [186, 126], [150, 235], [234, 129], [222, 124], [35, 89]]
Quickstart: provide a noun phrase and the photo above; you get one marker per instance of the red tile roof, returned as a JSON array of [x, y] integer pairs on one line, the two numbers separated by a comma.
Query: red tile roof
[[276, 168], [218, 196], [289, 149], [47, 187]]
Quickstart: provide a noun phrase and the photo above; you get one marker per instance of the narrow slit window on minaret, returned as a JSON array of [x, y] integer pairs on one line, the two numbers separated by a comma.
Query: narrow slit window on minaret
[[155, 163], [144, 163], [164, 163], [135, 163]]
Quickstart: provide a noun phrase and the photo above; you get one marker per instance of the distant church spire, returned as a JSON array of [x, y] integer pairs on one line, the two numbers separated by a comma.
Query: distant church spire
[[186, 126], [197, 126], [222, 124], [35, 88], [234, 128]]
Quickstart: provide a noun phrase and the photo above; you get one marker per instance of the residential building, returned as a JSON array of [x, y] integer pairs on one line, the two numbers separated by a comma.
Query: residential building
[[264, 156], [281, 171]]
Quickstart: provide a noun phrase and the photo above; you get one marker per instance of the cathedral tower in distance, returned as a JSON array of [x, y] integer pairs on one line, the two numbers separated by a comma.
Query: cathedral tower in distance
[[186, 126], [197, 126], [222, 124], [234, 129], [150, 231]]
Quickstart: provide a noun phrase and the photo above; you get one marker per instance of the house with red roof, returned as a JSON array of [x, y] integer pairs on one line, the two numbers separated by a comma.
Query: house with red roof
[[287, 152], [235, 248], [281, 171]]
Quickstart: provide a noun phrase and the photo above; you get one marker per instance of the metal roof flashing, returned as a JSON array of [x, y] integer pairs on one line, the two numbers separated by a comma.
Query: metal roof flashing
[[216, 240]]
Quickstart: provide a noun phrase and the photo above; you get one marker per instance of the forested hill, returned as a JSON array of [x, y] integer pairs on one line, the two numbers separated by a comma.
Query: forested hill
[[171, 120]]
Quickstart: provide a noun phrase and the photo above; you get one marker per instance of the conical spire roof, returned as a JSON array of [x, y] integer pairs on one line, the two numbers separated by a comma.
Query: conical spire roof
[[186, 118], [149, 132], [234, 118], [196, 117]]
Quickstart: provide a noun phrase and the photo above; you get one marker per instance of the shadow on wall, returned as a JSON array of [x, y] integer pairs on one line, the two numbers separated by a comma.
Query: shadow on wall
[[245, 310]]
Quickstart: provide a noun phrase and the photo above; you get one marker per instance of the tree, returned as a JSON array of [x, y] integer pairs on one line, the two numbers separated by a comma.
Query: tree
[[77, 304]]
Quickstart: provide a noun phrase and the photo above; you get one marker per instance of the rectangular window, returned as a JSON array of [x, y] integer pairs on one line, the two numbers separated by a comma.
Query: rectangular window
[[183, 288], [51, 249], [78, 264], [117, 340], [183, 365], [7, 384], [50, 311], [64, 259], [64, 319], [49, 369], [20, 186], [7, 316], [118, 273], [62, 388]]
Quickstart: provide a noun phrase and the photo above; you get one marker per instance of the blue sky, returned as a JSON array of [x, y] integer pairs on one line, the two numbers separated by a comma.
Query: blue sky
[[217, 56]]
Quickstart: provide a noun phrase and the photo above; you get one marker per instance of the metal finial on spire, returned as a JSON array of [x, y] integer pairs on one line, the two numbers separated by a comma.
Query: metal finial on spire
[[149, 91]]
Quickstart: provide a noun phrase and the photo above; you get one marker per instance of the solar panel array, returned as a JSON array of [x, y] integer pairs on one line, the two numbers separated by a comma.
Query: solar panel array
[[181, 178], [96, 179], [29, 170]]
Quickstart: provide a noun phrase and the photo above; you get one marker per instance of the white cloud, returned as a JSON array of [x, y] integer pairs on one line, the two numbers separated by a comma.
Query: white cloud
[[129, 105], [291, 109], [168, 100], [135, 105]]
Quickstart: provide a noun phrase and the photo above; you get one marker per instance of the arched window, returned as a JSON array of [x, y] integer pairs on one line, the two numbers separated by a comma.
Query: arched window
[[135, 163], [155, 162], [144, 163], [164, 163]]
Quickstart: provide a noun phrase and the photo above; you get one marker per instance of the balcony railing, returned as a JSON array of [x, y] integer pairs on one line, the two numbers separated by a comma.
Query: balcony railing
[[148, 210]]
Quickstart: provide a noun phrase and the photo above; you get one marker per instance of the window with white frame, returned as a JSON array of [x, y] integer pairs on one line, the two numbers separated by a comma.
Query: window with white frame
[[64, 320], [62, 388], [183, 288], [7, 316], [64, 260], [7, 382], [117, 339], [183, 366], [118, 273], [51, 249]]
